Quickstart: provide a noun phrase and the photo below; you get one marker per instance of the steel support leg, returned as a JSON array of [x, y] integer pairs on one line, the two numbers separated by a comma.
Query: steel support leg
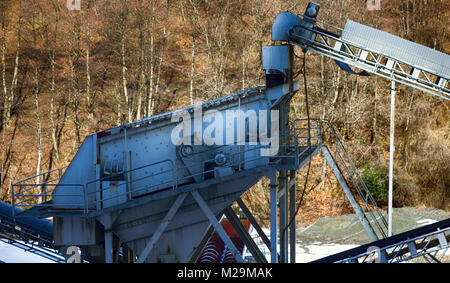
[[219, 229], [161, 228], [108, 246], [292, 209], [346, 189], [108, 220], [253, 221], [273, 218], [283, 197]]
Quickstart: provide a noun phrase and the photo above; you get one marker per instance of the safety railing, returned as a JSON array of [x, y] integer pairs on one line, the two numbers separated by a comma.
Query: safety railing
[[124, 186], [309, 133], [27, 193], [40, 195], [359, 189]]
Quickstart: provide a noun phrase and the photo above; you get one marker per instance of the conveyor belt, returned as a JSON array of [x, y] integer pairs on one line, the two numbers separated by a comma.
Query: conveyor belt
[[370, 50], [423, 241], [30, 234]]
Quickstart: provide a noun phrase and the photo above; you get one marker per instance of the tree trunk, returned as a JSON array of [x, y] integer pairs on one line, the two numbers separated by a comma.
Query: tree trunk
[[150, 100], [38, 117], [192, 74], [124, 78]]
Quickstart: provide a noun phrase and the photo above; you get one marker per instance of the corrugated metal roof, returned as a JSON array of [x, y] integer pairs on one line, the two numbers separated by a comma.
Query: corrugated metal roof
[[409, 52]]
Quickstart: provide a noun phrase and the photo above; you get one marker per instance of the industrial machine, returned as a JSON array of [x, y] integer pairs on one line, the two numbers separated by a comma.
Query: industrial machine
[[154, 190]]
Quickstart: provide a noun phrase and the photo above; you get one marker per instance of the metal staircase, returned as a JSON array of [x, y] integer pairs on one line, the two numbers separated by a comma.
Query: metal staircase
[[372, 218]]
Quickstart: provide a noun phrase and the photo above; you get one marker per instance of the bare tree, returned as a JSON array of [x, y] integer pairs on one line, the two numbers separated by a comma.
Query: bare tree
[[11, 103], [35, 24]]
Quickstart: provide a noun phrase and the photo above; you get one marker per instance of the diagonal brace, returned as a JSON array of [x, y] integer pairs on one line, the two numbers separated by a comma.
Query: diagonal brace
[[253, 221], [243, 234], [219, 229], [162, 227], [206, 236], [337, 173]]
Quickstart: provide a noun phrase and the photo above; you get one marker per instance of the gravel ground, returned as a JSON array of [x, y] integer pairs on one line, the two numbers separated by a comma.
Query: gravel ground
[[347, 229]]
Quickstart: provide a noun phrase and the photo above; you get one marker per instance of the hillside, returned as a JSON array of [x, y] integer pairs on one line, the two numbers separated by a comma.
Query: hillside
[[66, 74]]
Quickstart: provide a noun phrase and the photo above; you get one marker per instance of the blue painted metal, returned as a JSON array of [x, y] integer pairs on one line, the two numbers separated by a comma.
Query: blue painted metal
[[398, 246], [29, 234], [371, 50], [126, 179], [40, 227]]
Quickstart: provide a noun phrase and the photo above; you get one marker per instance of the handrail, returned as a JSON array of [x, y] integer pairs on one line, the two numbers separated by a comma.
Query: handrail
[[297, 142], [43, 174]]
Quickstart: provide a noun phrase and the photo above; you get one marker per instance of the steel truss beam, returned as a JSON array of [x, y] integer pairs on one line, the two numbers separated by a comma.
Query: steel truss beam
[[362, 217], [332, 46], [430, 242]]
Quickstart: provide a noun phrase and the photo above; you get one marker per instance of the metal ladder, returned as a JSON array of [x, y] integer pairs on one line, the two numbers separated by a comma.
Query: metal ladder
[[372, 218]]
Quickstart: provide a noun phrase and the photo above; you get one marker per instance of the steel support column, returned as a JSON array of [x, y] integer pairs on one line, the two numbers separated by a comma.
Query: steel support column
[[108, 220], [391, 158], [273, 218], [292, 209], [108, 246], [346, 189], [283, 203]]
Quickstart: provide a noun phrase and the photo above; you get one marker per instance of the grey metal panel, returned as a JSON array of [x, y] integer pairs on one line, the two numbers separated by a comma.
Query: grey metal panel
[[80, 171], [75, 231], [151, 144], [206, 105], [275, 57], [398, 48]]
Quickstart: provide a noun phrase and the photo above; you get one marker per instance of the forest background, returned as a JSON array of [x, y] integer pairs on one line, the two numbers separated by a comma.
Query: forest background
[[65, 74]]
